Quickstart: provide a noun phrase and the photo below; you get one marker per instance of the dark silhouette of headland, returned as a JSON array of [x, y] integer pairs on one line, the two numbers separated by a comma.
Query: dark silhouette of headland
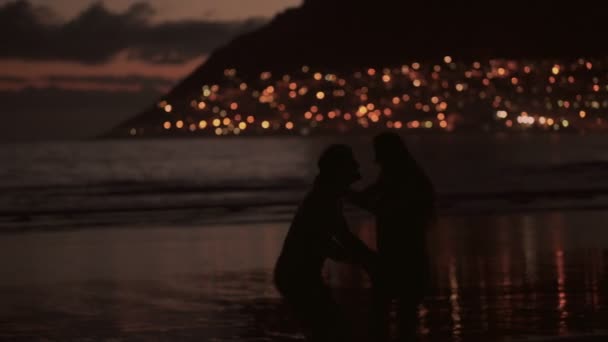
[[345, 34], [342, 35]]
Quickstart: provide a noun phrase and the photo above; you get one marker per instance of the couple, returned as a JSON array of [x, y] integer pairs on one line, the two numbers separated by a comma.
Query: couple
[[402, 199]]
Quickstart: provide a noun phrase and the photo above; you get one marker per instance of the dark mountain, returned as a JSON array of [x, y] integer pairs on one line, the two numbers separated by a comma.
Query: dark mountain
[[346, 34]]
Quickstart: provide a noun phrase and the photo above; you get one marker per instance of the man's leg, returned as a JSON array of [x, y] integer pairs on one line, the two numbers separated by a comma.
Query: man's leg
[[320, 315]]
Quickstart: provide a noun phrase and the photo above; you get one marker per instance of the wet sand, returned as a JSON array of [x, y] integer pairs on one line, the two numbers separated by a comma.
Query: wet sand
[[532, 277]]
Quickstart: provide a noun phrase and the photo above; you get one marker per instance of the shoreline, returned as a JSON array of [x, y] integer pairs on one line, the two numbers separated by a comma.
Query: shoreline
[[186, 216]]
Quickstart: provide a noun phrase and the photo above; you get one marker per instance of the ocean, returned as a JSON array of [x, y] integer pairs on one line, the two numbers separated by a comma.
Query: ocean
[[101, 182]]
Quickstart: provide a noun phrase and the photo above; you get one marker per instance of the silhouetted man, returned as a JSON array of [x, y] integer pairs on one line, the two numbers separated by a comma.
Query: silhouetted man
[[403, 201], [319, 231]]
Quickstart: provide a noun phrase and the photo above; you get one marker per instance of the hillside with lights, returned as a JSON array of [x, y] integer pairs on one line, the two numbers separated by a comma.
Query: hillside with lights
[[337, 67]]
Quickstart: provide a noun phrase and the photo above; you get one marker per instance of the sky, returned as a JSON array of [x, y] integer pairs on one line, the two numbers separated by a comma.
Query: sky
[[178, 9], [73, 69]]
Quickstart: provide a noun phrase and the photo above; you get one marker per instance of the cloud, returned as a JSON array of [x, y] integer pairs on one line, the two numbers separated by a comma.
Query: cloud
[[97, 34], [132, 84], [4, 78], [111, 80]]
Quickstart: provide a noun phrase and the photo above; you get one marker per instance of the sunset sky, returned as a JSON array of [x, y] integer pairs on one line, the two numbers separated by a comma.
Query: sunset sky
[[177, 9], [74, 68]]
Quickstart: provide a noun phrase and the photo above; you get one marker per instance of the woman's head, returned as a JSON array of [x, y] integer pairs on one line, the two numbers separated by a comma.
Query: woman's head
[[390, 150]]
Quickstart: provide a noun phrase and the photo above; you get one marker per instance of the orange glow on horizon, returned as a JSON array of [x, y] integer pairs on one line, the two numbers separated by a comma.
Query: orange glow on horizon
[[37, 74]]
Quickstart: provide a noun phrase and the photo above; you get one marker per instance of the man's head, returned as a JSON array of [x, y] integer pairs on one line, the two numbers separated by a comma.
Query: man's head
[[338, 166]]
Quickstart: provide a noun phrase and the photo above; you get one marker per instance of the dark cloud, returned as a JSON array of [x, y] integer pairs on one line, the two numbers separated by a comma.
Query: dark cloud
[[97, 34], [4, 78], [111, 80]]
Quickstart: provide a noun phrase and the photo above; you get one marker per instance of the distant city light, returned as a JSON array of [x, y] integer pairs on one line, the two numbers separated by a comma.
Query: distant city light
[[494, 94]]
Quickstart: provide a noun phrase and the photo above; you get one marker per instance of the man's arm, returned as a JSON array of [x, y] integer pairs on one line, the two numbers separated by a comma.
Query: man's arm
[[366, 199], [337, 252], [348, 248]]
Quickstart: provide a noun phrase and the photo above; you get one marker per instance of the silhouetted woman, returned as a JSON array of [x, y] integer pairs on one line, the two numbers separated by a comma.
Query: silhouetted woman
[[403, 201]]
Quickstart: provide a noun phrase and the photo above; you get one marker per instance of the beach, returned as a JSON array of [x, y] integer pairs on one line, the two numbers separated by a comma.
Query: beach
[[494, 278], [155, 240]]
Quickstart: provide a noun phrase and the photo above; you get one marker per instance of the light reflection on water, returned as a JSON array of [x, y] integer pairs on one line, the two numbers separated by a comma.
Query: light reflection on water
[[492, 278]]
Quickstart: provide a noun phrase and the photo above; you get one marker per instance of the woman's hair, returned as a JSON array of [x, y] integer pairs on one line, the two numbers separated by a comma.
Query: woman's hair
[[391, 150]]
